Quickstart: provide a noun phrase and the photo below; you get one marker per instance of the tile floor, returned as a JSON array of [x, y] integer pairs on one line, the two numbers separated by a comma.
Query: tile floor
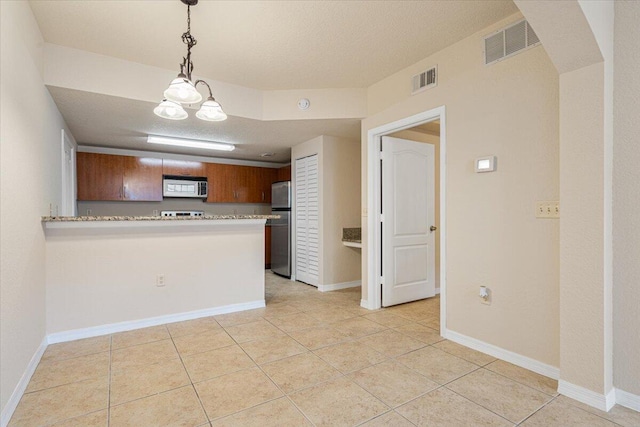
[[308, 358]]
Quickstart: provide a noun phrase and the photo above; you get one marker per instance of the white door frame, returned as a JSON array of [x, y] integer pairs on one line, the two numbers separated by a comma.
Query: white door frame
[[68, 194], [374, 251]]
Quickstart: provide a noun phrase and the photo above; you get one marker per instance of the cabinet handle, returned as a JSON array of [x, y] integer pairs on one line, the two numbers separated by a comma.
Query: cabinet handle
[[263, 196]]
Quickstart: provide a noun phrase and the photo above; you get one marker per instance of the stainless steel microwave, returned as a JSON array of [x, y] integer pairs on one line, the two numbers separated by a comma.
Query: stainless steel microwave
[[184, 186]]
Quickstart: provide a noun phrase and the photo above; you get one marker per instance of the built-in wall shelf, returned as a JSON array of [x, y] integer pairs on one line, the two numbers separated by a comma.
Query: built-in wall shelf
[[352, 244]]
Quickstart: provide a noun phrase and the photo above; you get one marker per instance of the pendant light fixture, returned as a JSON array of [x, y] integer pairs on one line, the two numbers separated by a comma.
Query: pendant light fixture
[[182, 90]]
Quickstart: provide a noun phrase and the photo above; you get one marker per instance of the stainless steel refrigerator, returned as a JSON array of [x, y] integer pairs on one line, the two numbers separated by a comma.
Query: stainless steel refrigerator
[[281, 228]]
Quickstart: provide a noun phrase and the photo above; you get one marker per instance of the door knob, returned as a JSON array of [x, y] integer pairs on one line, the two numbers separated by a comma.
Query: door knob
[[433, 228]]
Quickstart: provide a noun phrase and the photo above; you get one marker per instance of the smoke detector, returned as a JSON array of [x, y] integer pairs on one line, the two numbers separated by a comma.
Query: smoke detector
[[304, 104], [267, 154]]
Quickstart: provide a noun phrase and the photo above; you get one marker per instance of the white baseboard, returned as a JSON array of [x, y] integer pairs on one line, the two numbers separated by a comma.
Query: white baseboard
[[12, 403], [506, 355], [588, 397], [628, 400], [151, 321], [336, 286]]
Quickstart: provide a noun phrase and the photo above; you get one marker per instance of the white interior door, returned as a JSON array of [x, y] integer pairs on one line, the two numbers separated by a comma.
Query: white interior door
[[307, 220], [408, 215]]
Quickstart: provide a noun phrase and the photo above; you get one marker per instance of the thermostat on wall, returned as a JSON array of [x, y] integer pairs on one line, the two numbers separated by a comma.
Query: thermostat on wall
[[486, 164]]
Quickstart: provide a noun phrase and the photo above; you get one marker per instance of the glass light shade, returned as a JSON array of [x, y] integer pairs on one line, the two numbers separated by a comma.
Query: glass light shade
[[170, 110], [181, 90], [211, 111]]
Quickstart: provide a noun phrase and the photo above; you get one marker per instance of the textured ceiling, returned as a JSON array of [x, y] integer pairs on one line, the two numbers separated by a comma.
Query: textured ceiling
[[108, 121], [271, 44]]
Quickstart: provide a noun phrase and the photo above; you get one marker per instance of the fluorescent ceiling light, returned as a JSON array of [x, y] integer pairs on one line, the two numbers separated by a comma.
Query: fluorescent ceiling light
[[192, 143]]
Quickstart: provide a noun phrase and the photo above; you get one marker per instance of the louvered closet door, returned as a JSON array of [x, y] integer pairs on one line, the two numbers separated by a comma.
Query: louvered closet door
[[307, 220]]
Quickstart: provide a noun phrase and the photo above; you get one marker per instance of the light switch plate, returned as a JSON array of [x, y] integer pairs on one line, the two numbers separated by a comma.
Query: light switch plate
[[485, 164], [548, 209]]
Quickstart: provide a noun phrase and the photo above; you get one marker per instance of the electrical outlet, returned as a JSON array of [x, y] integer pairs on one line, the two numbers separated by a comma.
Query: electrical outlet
[[485, 295], [88, 212], [548, 209], [160, 280], [155, 212]]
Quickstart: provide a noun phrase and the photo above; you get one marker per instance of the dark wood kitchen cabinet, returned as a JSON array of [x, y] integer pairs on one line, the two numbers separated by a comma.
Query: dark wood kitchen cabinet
[[267, 177], [142, 178], [99, 176], [267, 247], [221, 187], [183, 168], [107, 177], [239, 184], [284, 174]]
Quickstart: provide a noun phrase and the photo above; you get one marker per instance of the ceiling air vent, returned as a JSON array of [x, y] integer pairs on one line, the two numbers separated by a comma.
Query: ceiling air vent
[[425, 80], [509, 41]]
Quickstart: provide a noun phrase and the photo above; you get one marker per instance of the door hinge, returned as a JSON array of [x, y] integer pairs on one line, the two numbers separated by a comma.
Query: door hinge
[[381, 217]]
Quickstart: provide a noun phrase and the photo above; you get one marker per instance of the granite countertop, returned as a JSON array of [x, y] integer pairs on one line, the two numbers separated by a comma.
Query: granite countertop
[[353, 235], [152, 218]]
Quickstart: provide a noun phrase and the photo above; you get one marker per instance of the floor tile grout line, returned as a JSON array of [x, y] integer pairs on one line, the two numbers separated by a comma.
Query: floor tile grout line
[[589, 412], [382, 415], [109, 389], [206, 415], [279, 389], [535, 412], [515, 380], [478, 404], [340, 303], [489, 409]]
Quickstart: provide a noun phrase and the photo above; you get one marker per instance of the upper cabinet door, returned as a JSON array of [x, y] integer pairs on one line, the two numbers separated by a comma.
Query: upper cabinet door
[[284, 174], [99, 176], [244, 179], [142, 179], [183, 168], [221, 188], [268, 177]]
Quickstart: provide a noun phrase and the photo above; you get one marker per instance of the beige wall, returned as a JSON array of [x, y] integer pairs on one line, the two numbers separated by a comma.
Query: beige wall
[[581, 234], [117, 77], [434, 140], [101, 276], [509, 109], [339, 200], [626, 198], [585, 62], [341, 209], [30, 180]]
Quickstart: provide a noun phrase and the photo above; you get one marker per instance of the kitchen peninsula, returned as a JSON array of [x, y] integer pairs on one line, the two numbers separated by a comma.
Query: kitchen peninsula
[[108, 274]]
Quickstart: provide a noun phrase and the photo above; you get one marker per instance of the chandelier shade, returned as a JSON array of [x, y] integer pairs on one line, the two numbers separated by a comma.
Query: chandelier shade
[[170, 110], [183, 91], [211, 111]]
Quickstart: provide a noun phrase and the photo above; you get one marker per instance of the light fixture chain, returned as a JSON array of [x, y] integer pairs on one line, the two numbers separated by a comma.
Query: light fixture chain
[[190, 41], [183, 91]]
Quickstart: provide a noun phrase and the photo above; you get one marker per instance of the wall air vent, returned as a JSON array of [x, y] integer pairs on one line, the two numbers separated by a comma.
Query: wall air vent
[[509, 41], [425, 80]]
